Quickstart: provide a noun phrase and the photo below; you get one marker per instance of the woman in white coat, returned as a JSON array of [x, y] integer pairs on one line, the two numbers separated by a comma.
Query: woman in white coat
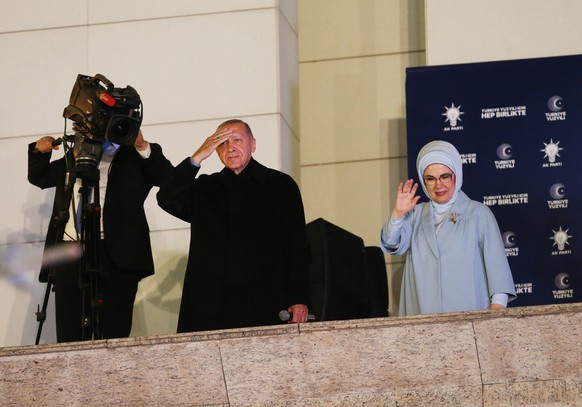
[[455, 258]]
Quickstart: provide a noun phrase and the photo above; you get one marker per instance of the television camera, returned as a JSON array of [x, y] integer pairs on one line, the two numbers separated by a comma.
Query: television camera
[[101, 112]]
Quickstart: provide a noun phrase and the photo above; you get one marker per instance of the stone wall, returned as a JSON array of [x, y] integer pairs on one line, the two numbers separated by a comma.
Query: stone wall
[[526, 356]]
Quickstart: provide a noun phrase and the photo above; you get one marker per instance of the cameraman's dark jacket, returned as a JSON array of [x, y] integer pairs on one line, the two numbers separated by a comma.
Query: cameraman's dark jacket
[[125, 226]]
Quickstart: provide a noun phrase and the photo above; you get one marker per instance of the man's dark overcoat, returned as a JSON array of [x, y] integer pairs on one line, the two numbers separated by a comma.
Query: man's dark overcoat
[[248, 255]]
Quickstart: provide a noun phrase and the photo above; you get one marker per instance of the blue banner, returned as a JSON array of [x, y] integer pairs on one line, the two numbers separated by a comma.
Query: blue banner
[[518, 127]]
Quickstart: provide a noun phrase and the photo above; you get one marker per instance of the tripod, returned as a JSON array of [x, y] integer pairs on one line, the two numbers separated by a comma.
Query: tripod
[[80, 170]]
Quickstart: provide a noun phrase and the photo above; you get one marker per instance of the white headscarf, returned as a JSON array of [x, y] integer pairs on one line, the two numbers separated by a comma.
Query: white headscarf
[[440, 152]]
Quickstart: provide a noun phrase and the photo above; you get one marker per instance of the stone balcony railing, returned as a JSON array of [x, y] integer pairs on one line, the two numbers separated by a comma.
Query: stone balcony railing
[[528, 356]]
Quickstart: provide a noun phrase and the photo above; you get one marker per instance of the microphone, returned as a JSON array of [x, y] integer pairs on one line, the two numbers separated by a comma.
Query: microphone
[[285, 316]]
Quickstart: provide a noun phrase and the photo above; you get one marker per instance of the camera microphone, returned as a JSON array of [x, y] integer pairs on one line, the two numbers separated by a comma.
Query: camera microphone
[[285, 316]]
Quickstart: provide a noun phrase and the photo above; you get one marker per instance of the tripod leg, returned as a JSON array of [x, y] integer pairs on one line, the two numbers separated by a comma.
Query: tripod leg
[[41, 314], [91, 262], [59, 223], [87, 314]]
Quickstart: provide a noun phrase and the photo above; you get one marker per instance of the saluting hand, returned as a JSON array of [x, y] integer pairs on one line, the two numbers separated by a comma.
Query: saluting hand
[[210, 144], [406, 198]]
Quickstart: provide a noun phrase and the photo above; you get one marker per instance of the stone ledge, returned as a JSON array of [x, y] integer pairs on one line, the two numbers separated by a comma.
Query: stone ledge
[[484, 358]]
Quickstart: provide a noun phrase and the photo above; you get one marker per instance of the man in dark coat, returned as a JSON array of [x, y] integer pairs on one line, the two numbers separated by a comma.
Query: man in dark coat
[[128, 173], [248, 255]]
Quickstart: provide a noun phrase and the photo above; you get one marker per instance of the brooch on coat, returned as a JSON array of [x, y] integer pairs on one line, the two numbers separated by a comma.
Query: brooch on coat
[[454, 217]]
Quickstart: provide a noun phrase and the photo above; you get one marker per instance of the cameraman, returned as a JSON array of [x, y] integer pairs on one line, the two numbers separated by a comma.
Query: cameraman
[[127, 174]]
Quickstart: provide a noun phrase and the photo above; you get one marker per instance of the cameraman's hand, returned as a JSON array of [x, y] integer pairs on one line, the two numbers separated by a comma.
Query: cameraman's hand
[[45, 144], [140, 144], [210, 144]]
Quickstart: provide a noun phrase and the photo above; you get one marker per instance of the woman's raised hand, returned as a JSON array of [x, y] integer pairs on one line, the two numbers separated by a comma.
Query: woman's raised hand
[[406, 198]]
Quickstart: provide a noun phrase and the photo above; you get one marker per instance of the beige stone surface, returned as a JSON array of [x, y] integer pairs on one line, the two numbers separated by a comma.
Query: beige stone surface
[[531, 364], [349, 362], [187, 373], [515, 357], [514, 349], [354, 109], [339, 29], [554, 393]]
